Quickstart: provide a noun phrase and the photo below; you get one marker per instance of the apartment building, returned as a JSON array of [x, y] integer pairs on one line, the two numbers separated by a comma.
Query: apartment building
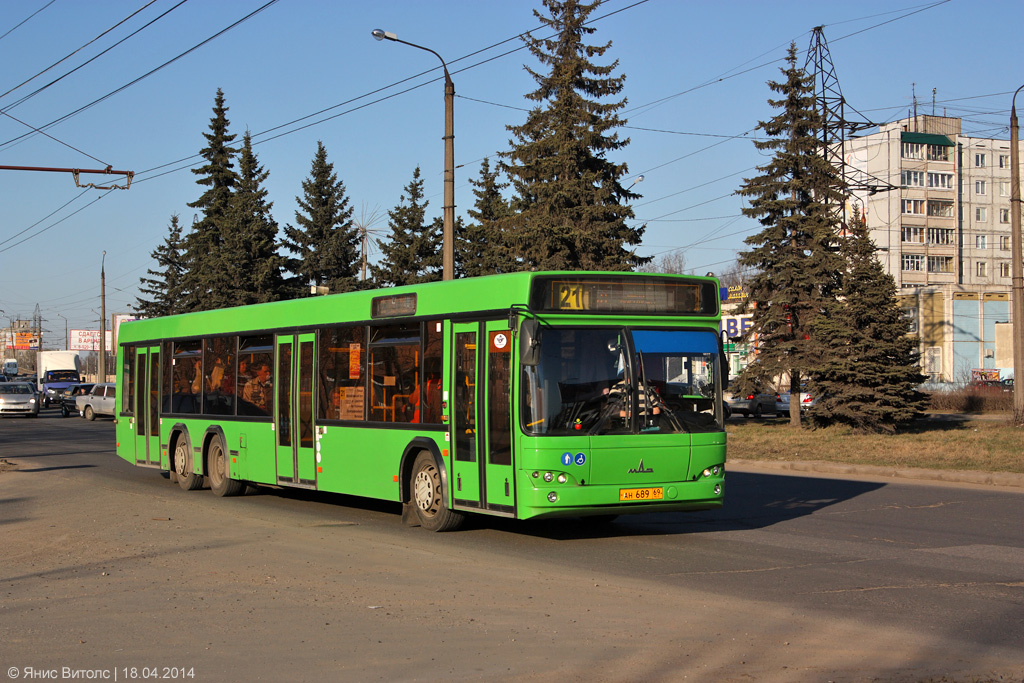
[[939, 214]]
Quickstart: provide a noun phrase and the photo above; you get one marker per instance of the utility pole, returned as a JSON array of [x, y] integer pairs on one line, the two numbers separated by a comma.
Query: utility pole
[[103, 320], [1017, 270]]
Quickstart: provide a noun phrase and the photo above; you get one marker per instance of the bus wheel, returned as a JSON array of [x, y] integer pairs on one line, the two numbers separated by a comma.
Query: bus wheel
[[187, 479], [217, 468], [428, 496]]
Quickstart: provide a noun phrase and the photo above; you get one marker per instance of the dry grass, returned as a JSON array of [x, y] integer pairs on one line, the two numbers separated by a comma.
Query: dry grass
[[990, 444], [971, 400]]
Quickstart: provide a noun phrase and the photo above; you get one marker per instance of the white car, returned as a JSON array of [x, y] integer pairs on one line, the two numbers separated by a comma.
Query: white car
[[18, 398], [102, 400]]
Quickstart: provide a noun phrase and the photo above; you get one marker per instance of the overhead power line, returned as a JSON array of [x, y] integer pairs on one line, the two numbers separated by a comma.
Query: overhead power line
[[23, 21], [148, 73]]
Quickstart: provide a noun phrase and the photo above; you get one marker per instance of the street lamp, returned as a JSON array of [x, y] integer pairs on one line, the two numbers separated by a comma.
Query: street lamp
[[67, 342], [1018, 268], [103, 319], [639, 179], [448, 244]]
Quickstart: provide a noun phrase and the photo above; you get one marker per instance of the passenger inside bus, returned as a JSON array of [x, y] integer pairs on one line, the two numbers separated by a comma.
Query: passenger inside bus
[[259, 390], [431, 408]]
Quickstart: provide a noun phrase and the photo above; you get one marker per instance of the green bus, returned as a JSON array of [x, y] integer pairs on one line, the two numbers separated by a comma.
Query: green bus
[[524, 395]]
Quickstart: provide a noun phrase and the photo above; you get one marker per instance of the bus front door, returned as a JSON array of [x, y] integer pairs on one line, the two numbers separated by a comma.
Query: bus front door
[[481, 417], [293, 411], [147, 395]]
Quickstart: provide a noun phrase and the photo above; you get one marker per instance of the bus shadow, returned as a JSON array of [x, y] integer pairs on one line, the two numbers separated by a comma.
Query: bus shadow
[[753, 501], [55, 467]]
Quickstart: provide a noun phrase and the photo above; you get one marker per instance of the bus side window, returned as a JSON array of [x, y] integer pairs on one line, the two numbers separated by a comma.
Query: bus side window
[[342, 374], [394, 371], [187, 374], [219, 378], [253, 381]]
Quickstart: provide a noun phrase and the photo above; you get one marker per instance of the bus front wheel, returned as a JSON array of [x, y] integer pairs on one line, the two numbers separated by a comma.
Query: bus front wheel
[[428, 496], [187, 479], [221, 482]]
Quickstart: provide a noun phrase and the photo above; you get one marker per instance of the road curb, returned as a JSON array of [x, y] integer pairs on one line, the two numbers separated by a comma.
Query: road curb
[[1009, 479]]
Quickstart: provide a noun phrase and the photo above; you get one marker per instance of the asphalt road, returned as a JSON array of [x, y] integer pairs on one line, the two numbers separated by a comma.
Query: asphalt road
[[109, 568]]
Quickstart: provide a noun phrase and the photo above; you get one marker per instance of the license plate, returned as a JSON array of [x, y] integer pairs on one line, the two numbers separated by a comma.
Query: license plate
[[633, 495]]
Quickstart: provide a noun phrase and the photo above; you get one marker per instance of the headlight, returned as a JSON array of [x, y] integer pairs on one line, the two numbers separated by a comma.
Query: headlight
[[552, 497], [548, 477]]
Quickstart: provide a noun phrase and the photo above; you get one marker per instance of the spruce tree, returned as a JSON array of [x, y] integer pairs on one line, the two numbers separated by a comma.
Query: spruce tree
[[251, 246], [869, 366], [412, 254], [208, 278], [570, 205], [164, 287], [795, 268], [326, 240], [478, 246]]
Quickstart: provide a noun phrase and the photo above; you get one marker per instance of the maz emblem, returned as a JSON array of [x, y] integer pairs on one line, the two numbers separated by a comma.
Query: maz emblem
[[640, 469]]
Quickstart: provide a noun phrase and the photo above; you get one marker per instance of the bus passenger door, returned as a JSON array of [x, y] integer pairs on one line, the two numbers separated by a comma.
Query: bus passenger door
[[146, 371], [497, 413], [481, 417], [293, 413], [465, 465]]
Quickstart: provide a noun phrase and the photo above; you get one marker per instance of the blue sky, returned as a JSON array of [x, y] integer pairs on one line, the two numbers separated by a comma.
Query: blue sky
[[696, 77]]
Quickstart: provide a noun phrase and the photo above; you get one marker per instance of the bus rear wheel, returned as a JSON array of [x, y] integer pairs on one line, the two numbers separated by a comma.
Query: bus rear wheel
[[221, 482], [428, 496], [187, 479]]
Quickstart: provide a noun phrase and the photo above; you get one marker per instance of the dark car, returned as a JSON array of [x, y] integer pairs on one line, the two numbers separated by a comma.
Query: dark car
[[68, 396]]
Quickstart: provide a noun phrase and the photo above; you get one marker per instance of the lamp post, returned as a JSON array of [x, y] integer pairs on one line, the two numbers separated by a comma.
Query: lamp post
[[448, 243], [639, 179], [103, 320], [1018, 268], [67, 340]]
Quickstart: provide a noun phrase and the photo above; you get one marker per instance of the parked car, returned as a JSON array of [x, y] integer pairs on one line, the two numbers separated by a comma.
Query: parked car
[[18, 398], [102, 400], [992, 386], [782, 403], [756, 404], [70, 395]]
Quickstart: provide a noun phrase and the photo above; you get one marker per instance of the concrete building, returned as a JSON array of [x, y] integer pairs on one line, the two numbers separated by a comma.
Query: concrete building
[[944, 235]]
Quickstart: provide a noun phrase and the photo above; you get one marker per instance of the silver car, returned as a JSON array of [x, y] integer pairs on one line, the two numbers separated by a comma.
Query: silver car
[[102, 400], [782, 403], [18, 398], [750, 404]]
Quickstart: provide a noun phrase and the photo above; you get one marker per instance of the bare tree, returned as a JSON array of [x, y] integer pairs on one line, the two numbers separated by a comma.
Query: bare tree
[[673, 262]]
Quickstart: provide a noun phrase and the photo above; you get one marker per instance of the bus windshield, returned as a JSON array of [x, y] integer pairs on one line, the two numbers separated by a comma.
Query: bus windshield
[[621, 380]]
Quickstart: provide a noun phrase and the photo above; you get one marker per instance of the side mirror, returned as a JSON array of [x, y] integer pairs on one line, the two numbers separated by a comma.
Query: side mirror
[[529, 342]]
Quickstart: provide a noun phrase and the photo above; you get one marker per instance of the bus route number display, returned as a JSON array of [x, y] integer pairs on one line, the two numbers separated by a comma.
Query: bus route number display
[[619, 295], [572, 297]]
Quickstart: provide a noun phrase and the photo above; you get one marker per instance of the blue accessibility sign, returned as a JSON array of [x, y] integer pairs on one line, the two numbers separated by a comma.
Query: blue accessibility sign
[[566, 459], [581, 458]]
